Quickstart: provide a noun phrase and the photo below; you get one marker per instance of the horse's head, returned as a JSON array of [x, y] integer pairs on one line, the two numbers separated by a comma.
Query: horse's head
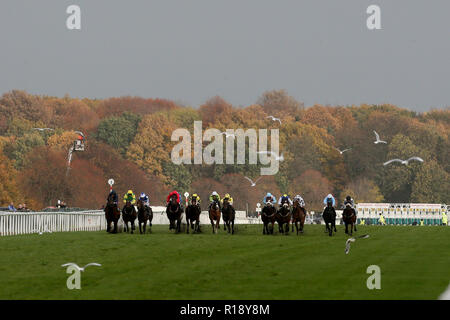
[[215, 205], [296, 203], [194, 201], [225, 203], [269, 203]]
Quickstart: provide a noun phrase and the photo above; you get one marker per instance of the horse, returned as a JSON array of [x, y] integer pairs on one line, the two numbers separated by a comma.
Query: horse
[[129, 214], [144, 213], [268, 216], [174, 212], [298, 216], [349, 218], [228, 216], [112, 214], [329, 216], [283, 217], [193, 215], [214, 214]]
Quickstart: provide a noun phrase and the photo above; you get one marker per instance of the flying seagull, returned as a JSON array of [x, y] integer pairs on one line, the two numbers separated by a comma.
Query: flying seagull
[[378, 138], [341, 152], [274, 119], [446, 294], [405, 162], [278, 158], [350, 240], [251, 181], [42, 129], [81, 269]]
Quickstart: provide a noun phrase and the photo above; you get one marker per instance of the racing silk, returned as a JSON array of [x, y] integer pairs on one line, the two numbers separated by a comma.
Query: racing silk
[[145, 199], [284, 199], [444, 218], [382, 221], [272, 198], [351, 202], [171, 194], [131, 198], [114, 195], [211, 198], [230, 200], [300, 200], [197, 198], [329, 196]]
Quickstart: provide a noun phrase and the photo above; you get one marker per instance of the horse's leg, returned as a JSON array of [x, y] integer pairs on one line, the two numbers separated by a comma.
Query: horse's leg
[[133, 227], [212, 225], [346, 226], [232, 226], [187, 225]]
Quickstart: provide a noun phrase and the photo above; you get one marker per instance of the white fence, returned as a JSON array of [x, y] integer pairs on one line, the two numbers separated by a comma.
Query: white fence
[[13, 223]]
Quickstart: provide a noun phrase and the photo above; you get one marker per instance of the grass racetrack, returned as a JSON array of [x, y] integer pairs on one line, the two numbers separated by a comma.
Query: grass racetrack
[[414, 262]]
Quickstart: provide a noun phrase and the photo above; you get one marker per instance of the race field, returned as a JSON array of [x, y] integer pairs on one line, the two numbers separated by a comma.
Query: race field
[[414, 262]]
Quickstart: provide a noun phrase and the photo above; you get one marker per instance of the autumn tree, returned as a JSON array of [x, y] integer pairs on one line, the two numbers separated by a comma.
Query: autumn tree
[[313, 187], [118, 131], [279, 103], [431, 184], [362, 190]]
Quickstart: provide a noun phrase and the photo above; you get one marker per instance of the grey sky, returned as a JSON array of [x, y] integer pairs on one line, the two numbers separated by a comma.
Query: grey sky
[[190, 50]]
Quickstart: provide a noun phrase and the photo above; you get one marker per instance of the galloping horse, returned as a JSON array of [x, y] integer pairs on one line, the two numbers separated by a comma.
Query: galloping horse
[[283, 217], [268, 216], [174, 212], [214, 214], [349, 218], [329, 216], [129, 214], [228, 216], [112, 214], [193, 215], [298, 216], [144, 213]]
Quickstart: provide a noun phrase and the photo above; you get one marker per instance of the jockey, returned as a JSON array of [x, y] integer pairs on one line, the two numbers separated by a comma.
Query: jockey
[[114, 195], [284, 198], [144, 198], [214, 197], [195, 197], [329, 196], [174, 192], [129, 196], [350, 201], [300, 200], [269, 197], [229, 198], [230, 201]]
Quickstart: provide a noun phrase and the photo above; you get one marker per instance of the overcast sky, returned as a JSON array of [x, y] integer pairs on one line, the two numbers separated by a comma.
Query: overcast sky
[[320, 51]]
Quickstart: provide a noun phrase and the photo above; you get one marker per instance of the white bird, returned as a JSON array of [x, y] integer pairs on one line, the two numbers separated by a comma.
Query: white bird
[[274, 119], [278, 158], [81, 269], [341, 152], [405, 162], [42, 129], [445, 295], [378, 138], [350, 240], [228, 134], [251, 181]]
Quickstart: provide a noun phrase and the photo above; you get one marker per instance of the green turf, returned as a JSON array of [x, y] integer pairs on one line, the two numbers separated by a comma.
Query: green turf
[[414, 262]]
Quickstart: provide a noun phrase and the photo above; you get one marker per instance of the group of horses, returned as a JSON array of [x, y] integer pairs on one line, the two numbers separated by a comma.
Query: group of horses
[[269, 215], [283, 216], [174, 213]]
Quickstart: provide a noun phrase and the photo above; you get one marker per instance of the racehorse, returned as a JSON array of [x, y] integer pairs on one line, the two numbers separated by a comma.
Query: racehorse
[[129, 214], [193, 215], [298, 216], [174, 212], [283, 217], [228, 216], [144, 213], [268, 216], [329, 216], [349, 218], [214, 214], [112, 214]]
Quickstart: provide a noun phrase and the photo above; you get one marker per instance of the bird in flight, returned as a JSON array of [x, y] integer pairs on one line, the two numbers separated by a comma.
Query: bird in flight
[[341, 152], [81, 269], [274, 119], [378, 138], [42, 129], [278, 158], [350, 240], [405, 162], [251, 181]]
